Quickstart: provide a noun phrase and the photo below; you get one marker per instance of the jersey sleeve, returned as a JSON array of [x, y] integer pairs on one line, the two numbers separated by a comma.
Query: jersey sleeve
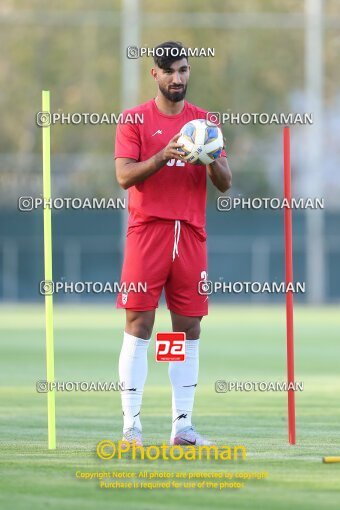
[[127, 144]]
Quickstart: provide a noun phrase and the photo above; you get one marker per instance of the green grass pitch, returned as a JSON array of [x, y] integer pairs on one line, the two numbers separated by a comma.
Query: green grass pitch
[[237, 343]]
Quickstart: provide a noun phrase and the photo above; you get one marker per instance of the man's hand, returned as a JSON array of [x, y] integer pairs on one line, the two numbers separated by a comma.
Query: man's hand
[[130, 172], [170, 151]]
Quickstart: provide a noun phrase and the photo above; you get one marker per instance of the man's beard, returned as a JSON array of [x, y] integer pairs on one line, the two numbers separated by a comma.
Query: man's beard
[[174, 95]]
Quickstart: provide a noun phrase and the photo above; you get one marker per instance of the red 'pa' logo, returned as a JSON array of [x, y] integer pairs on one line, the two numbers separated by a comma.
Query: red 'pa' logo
[[170, 346]]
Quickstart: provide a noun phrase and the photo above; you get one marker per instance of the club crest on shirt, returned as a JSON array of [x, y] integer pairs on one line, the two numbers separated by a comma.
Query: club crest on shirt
[[124, 298]]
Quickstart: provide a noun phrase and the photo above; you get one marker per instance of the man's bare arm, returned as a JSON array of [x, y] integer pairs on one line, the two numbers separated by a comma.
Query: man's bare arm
[[220, 174], [130, 172]]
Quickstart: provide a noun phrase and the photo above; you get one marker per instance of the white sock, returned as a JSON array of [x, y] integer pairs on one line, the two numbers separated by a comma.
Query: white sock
[[184, 376], [133, 368]]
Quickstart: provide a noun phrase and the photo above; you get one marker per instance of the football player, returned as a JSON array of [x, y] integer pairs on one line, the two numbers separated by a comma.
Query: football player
[[166, 240]]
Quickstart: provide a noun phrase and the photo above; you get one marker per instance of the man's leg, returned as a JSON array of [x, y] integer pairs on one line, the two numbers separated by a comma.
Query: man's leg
[[187, 307], [133, 366], [144, 261], [184, 375]]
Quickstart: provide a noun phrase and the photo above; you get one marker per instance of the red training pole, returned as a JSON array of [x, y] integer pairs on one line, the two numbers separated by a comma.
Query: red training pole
[[288, 233]]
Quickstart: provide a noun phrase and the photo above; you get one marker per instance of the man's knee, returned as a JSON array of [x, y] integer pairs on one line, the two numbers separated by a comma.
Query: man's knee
[[193, 330], [140, 324], [190, 325]]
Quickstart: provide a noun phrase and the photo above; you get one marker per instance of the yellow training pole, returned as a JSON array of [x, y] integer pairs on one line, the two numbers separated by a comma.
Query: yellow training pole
[[331, 460], [46, 147]]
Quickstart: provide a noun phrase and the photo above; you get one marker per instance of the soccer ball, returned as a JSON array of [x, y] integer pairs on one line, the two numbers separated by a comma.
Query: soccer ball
[[202, 142]]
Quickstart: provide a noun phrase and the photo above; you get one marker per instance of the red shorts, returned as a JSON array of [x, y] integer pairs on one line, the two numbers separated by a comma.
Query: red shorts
[[165, 254]]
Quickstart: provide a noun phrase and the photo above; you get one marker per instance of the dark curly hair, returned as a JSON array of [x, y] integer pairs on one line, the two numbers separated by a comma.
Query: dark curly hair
[[171, 51]]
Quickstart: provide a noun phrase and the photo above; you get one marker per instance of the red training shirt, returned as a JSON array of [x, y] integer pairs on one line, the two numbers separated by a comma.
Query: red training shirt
[[178, 190]]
